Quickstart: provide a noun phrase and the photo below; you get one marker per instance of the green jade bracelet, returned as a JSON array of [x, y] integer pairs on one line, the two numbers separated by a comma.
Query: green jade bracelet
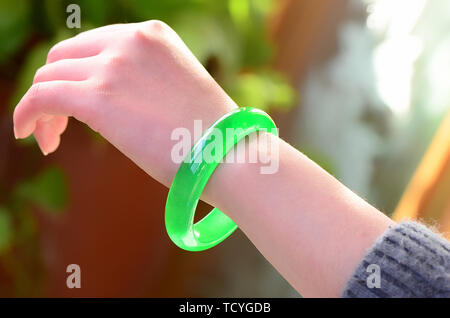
[[193, 174]]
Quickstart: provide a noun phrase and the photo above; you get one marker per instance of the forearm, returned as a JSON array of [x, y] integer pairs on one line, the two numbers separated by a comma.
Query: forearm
[[135, 84], [311, 228]]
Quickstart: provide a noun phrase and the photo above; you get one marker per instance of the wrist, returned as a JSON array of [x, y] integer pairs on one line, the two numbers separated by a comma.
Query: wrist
[[254, 159], [217, 141], [193, 125]]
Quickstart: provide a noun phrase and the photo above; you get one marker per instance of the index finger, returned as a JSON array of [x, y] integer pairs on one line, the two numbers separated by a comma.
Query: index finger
[[65, 98]]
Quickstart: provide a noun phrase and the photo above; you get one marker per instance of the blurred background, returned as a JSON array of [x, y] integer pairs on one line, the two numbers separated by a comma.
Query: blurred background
[[360, 86]]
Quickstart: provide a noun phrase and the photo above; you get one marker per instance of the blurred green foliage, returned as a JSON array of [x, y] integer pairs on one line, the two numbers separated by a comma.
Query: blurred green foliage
[[47, 190], [14, 27], [5, 229], [19, 247], [228, 37]]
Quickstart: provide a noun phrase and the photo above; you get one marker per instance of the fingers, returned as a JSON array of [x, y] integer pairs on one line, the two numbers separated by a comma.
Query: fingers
[[88, 43], [48, 131], [48, 128], [61, 87], [66, 70], [63, 98], [107, 28], [79, 47]]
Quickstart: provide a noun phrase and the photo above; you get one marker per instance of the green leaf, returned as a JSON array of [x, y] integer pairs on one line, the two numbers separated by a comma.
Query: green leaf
[[239, 11], [48, 190], [6, 231], [262, 90], [95, 12], [206, 36], [14, 26], [54, 13], [157, 9]]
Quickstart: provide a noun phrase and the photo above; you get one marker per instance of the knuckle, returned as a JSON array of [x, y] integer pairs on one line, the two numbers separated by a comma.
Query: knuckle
[[39, 75], [104, 88], [107, 79], [33, 92], [51, 56], [53, 53], [155, 26], [153, 32], [33, 96], [114, 61]]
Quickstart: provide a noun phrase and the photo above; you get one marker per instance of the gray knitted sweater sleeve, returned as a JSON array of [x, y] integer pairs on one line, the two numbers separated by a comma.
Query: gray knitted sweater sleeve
[[408, 260]]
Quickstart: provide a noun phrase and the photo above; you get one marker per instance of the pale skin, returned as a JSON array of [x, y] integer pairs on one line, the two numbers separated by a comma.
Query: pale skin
[[136, 83]]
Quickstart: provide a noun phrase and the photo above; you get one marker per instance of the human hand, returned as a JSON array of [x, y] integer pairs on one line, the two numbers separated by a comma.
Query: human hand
[[135, 84], [132, 83]]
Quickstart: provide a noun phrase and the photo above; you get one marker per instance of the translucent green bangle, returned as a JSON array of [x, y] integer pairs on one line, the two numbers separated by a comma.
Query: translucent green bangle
[[193, 174]]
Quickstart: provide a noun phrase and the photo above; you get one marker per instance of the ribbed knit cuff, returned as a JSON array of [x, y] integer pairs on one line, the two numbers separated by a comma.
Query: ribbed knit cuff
[[408, 260]]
